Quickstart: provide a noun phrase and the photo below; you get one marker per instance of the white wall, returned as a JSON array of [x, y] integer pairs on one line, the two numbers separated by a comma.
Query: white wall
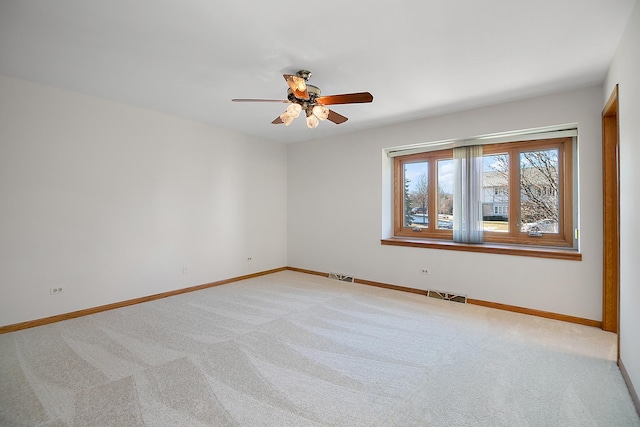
[[625, 71], [110, 201], [339, 208]]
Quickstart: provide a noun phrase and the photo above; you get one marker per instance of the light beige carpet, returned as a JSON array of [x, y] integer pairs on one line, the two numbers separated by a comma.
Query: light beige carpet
[[291, 349]]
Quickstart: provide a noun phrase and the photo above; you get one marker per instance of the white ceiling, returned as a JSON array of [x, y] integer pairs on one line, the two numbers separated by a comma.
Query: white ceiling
[[418, 58]]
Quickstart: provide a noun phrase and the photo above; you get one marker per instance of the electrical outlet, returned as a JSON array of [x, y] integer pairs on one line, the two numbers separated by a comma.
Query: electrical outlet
[[185, 270], [249, 259], [424, 271], [56, 291]]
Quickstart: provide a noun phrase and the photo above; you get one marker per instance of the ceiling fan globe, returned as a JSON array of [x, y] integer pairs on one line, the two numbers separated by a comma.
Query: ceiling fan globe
[[294, 110], [312, 121], [321, 112]]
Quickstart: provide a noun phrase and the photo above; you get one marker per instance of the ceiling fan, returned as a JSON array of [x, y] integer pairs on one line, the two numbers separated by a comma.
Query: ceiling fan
[[305, 97]]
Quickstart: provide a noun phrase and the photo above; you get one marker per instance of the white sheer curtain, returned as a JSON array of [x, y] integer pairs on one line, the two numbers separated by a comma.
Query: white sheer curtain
[[467, 194]]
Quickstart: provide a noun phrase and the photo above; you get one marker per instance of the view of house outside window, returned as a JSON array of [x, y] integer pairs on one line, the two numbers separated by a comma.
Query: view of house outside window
[[495, 191], [445, 194], [539, 184]]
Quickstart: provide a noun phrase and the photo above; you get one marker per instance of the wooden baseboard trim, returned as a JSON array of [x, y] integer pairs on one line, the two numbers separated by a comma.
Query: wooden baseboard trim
[[394, 287], [632, 390], [506, 307], [538, 313], [363, 282], [302, 270], [93, 310]]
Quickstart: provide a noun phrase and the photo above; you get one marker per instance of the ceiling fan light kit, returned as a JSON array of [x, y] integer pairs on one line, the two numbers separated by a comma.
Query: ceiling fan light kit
[[302, 96]]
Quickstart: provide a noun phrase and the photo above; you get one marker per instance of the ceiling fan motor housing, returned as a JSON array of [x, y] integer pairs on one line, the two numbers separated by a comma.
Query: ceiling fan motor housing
[[305, 74], [313, 91]]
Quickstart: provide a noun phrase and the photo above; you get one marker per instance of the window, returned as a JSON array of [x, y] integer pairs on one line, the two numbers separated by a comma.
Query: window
[[526, 194], [416, 204]]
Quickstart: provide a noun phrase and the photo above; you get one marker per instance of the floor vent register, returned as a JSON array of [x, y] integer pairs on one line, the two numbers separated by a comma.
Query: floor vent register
[[341, 277], [447, 296]]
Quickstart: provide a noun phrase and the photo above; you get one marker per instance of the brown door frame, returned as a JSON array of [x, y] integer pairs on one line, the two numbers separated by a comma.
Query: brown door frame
[[611, 216]]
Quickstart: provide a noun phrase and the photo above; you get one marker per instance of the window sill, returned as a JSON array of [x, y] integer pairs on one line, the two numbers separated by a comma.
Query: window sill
[[490, 248]]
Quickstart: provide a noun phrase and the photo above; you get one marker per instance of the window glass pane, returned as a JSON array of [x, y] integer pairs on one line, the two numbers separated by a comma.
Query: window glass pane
[[495, 192], [539, 192], [416, 194], [445, 194]]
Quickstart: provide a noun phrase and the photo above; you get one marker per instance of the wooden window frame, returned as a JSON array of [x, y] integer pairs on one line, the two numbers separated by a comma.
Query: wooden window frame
[[562, 239]]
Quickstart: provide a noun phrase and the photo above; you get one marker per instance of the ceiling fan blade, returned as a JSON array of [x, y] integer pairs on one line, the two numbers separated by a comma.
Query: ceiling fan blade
[[261, 100], [336, 118], [298, 86], [345, 98], [277, 121]]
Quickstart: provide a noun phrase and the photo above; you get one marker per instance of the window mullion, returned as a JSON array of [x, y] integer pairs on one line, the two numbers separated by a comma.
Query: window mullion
[[433, 193], [398, 196], [564, 186], [514, 192]]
